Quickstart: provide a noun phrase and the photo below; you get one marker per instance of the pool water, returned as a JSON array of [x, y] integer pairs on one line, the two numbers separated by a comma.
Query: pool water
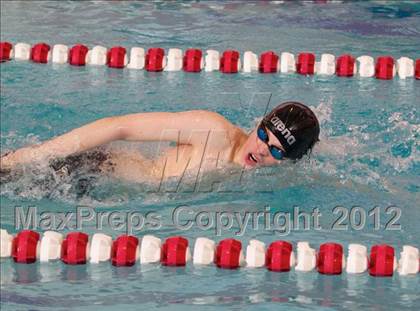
[[368, 156]]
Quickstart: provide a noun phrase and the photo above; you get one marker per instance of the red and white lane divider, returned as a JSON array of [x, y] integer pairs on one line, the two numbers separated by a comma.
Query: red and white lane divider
[[194, 60], [126, 250]]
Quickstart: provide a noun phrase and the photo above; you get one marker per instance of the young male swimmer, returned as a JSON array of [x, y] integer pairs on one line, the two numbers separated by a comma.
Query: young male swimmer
[[204, 140]]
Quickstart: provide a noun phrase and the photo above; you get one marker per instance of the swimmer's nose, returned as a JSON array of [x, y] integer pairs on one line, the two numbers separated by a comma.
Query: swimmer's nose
[[263, 150]]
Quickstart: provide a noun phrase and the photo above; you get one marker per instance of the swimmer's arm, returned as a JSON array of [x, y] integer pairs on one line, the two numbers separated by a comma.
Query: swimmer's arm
[[182, 127], [187, 127], [78, 140]]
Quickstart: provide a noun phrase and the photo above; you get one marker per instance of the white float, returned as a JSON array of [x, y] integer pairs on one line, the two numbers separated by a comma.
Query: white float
[[60, 54], [306, 257], [96, 56], [22, 51], [287, 62], [137, 58], [204, 251], [174, 60], [366, 66], [250, 62], [405, 67], [150, 249], [100, 248], [326, 66], [409, 260], [357, 259], [50, 246], [6, 240], [212, 61], [255, 254]]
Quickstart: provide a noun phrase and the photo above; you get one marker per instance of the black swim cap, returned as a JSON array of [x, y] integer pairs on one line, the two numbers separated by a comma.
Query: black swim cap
[[295, 126]]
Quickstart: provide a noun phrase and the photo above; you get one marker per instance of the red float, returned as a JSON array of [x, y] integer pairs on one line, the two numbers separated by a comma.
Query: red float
[[381, 262], [115, 58], [174, 251], [228, 254], [124, 251], [154, 59], [5, 51], [278, 256], [268, 62], [330, 258], [192, 60], [345, 66], [39, 53], [73, 248], [305, 64], [384, 68], [229, 61], [24, 246], [77, 55], [417, 72]]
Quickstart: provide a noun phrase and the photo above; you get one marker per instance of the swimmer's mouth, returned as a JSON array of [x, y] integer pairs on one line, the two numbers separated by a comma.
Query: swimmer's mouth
[[252, 158]]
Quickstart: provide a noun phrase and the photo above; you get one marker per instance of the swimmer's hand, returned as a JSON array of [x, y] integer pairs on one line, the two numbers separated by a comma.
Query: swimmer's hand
[[6, 162], [32, 154], [8, 167], [78, 140], [11, 159]]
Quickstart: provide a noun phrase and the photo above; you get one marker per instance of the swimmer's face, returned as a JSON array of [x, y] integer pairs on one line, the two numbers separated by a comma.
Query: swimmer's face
[[256, 152]]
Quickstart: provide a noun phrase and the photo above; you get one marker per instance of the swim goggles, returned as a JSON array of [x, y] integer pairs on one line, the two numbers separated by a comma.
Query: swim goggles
[[262, 134]]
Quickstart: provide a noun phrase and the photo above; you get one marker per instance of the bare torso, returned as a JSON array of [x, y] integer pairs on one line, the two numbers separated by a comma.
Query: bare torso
[[174, 161]]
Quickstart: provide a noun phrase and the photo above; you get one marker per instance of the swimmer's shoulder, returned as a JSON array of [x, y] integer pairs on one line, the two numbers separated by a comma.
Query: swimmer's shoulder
[[219, 122], [216, 120]]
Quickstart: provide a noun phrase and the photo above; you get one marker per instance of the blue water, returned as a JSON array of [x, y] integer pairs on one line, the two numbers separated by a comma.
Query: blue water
[[369, 154]]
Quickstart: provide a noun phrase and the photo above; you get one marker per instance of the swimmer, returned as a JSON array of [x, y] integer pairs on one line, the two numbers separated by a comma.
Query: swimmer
[[204, 141]]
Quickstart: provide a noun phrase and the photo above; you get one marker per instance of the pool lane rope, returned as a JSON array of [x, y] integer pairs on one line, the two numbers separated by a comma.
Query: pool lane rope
[[126, 250], [193, 60]]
